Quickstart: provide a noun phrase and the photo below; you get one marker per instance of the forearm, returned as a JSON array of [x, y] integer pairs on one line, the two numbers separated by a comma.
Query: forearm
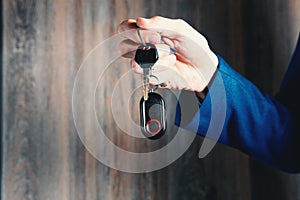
[[255, 123]]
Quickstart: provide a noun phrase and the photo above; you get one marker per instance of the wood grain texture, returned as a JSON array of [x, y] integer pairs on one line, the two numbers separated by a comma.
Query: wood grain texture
[[44, 43]]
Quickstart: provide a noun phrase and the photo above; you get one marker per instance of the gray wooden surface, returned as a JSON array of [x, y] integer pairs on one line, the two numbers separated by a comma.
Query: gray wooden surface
[[44, 43]]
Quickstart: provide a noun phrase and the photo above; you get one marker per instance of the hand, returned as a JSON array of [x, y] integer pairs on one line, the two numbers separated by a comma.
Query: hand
[[190, 68]]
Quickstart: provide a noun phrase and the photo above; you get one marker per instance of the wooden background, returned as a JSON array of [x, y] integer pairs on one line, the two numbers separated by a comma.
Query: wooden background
[[43, 44]]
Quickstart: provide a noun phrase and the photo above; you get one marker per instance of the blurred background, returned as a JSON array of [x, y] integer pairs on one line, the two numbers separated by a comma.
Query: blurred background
[[43, 44]]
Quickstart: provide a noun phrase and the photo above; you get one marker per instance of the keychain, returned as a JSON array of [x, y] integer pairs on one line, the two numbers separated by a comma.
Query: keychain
[[152, 105]]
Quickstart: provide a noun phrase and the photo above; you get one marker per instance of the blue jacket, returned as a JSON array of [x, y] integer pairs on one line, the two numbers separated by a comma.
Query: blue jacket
[[260, 125]]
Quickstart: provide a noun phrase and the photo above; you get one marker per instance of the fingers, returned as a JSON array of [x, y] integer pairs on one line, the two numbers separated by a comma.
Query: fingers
[[128, 30], [127, 49], [127, 25], [154, 23], [170, 28], [164, 69], [194, 63], [174, 32]]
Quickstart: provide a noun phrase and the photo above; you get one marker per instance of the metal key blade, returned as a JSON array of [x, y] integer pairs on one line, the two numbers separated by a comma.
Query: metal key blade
[[146, 76], [146, 55]]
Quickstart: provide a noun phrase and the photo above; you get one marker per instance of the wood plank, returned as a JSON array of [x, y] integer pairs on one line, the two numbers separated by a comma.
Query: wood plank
[[44, 43]]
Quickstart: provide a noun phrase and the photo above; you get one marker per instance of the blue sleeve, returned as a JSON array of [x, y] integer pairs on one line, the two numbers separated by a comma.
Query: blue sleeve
[[260, 125]]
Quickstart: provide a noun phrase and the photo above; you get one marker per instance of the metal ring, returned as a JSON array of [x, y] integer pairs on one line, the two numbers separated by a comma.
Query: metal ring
[[140, 36], [172, 50], [152, 88]]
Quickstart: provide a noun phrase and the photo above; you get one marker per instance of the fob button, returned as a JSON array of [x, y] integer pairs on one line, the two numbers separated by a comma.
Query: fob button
[[153, 126]]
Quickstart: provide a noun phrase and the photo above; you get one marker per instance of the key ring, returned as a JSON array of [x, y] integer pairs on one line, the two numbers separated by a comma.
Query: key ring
[[152, 88], [140, 36]]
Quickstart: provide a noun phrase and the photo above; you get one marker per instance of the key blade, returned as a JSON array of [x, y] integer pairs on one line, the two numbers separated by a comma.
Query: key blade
[[145, 95], [146, 75]]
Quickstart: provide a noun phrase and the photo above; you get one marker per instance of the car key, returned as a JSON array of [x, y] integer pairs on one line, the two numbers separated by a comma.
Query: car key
[[152, 105], [153, 116], [146, 56]]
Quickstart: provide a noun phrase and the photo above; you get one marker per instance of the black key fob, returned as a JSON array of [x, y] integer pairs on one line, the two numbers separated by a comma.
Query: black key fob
[[153, 116]]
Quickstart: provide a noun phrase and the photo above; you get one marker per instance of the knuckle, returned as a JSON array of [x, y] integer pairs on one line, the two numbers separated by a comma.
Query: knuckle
[[180, 22], [122, 25], [156, 18]]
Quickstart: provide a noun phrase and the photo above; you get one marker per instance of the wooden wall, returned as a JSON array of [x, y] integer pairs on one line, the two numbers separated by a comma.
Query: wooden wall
[[43, 44]]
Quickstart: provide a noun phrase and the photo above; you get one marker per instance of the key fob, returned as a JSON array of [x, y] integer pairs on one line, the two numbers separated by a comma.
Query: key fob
[[153, 116]]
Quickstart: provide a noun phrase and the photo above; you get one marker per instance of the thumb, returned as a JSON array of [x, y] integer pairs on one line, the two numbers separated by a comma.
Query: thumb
[[167, 27]]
